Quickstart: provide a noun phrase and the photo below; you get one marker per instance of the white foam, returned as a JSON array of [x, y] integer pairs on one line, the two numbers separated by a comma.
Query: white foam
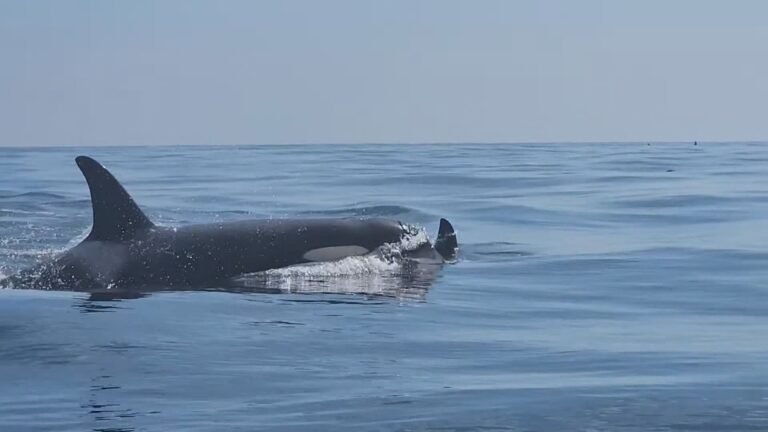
[[349, 266], [29, 253], [17, 259], [415, 238]]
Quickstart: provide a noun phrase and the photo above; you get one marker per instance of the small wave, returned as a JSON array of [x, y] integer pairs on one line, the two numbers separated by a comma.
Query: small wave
[[35, 195], [495, 251], [378, 210], [675, 201], [75, 203], [10, 212], [626, 178]]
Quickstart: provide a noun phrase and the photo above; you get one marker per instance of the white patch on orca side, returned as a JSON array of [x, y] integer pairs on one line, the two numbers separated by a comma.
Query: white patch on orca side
[[334, 253]]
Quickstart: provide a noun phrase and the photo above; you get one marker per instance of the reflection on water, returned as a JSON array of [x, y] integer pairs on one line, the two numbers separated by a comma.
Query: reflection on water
[[98, 302], [104, 415], [410, 280]]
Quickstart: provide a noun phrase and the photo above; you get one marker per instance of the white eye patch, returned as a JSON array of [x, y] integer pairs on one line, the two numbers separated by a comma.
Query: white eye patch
[[333, 253]]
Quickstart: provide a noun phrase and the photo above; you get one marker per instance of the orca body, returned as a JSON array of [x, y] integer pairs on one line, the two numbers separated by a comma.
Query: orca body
[[126, 250]]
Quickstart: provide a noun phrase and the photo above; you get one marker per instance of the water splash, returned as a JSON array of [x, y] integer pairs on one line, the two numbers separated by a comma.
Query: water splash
[[77, 239], [384, 272], [387, 258]]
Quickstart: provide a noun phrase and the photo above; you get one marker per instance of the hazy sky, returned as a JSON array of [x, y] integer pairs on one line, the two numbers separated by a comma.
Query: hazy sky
[[239, 72]]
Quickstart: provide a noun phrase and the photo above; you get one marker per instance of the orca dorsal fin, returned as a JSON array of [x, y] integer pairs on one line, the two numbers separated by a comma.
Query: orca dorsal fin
[[115, 215], [446, 243]]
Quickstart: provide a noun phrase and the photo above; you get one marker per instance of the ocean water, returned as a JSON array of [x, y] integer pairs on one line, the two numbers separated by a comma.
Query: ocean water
[[610, 287]]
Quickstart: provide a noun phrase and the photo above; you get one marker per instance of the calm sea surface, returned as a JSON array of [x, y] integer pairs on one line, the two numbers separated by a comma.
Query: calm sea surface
[[615, 287]]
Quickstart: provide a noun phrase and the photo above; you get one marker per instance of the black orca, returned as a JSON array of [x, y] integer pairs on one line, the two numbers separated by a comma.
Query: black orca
[[126, 250]]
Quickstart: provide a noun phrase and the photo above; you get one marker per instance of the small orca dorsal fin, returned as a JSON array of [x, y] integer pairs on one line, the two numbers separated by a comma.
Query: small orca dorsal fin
[[115, 215], [446, 243]]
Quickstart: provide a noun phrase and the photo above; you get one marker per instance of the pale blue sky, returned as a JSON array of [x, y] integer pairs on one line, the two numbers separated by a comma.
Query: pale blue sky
[[251, 72]]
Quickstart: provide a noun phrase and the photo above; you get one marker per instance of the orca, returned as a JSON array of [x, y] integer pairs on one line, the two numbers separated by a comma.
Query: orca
[[126, 250]]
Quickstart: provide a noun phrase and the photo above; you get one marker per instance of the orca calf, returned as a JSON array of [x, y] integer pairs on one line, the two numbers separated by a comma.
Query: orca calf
[[126, 250]]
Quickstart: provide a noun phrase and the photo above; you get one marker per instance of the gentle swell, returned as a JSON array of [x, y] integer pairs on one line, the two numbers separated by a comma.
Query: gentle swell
[[377, 210], [33, 195]]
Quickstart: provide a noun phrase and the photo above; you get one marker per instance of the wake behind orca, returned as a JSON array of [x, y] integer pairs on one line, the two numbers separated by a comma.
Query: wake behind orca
[[125, 250]]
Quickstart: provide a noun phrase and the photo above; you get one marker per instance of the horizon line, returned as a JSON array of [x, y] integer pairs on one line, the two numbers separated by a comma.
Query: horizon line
[[382, 143]]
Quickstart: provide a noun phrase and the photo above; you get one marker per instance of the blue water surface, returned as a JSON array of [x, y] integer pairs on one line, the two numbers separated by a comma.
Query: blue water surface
[[606, 287]]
